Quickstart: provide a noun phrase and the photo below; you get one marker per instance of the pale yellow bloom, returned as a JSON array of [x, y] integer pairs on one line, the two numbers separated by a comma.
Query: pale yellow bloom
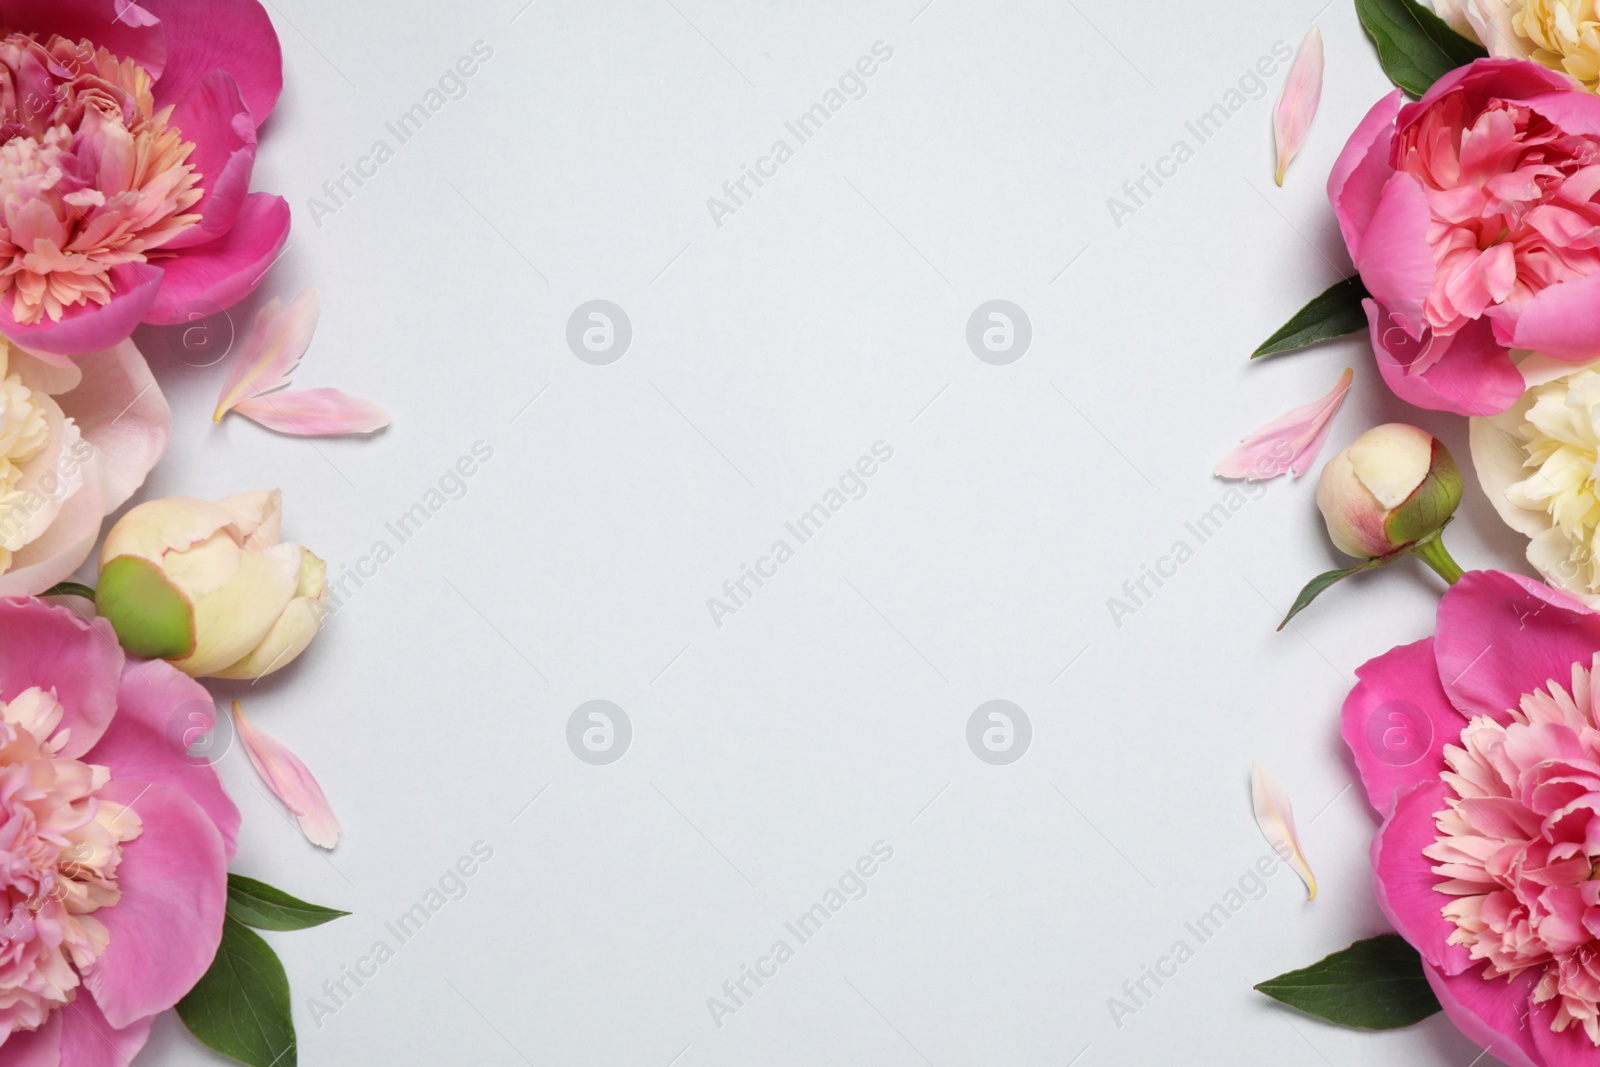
[[1563, 35]]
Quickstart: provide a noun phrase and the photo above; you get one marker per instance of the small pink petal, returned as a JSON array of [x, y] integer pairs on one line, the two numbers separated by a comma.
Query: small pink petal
[[1289, 442], [1297, 103], [290, 782], [277, 339], [1275, 816], [314, 413]]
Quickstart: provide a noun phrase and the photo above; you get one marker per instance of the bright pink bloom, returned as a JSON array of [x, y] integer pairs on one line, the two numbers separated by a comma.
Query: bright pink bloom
[[1472, 216], [127, 138], [1481, 746], [114, 843]]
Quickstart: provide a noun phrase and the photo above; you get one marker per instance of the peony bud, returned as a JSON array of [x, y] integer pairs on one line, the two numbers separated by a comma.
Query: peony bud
[[1395, 486], [210, 587]]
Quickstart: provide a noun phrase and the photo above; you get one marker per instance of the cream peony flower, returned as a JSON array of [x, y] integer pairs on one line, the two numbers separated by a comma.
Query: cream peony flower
[[1563, 35], [1537, 461], [76, 440]]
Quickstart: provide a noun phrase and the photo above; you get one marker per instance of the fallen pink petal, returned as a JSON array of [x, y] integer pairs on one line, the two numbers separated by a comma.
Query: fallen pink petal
[[1289, 442], [1275, 816], [290, 781], [1297, 103], [278, 337], [314, 413]]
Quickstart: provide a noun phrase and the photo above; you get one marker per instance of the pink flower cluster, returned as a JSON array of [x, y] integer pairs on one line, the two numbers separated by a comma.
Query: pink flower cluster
[[113, 845], [127, 139], [1487, 858], [1473, 216]]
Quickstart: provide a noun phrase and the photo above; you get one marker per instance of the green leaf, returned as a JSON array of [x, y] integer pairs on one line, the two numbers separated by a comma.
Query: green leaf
[[268, 908], [1415, 46], [1315, 586], [69, 589], [1334, 313], [1376, 984], [240, 1007]]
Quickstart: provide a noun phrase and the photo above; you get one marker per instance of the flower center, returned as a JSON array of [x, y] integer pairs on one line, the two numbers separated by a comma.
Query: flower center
[[1560, 438], [60, 846], [1513, 846], [1563, 35], [92, 177], [1512, 197]]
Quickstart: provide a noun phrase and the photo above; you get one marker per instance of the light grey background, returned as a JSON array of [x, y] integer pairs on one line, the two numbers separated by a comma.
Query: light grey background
[[831, 711]]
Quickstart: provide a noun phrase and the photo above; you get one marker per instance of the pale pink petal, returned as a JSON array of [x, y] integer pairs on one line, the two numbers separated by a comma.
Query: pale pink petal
[[314, 413], [278, 337], [290, 781], [1275, 816], [60, 550], [1289, 442], [1297, 103], [121, 413]]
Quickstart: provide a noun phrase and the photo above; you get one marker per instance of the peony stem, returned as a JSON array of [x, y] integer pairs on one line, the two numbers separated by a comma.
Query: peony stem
[[1433, 553]]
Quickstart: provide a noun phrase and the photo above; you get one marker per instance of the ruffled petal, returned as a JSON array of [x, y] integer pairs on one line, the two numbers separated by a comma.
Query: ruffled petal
[[224, 272], [1362, 169], [213, 115], [1501, 636], [48, 646], [127, 30], [120, 411], [1397, 721], [91, 327], [161, 712], [1403, 878], [166, 928], [1561, 320], [1395, 260], [62, 547], [231, 35], [35, 1048], [1490, 1013], [88, 1039], [1467, 373]]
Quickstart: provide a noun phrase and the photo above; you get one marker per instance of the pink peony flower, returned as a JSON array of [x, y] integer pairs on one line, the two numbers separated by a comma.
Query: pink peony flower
[[114, 843], [1481, 747], [1471, 215], [127, 138]]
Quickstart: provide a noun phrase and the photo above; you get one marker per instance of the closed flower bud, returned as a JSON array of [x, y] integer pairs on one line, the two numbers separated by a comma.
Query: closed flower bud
[[1394, 486], [210, 587]]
